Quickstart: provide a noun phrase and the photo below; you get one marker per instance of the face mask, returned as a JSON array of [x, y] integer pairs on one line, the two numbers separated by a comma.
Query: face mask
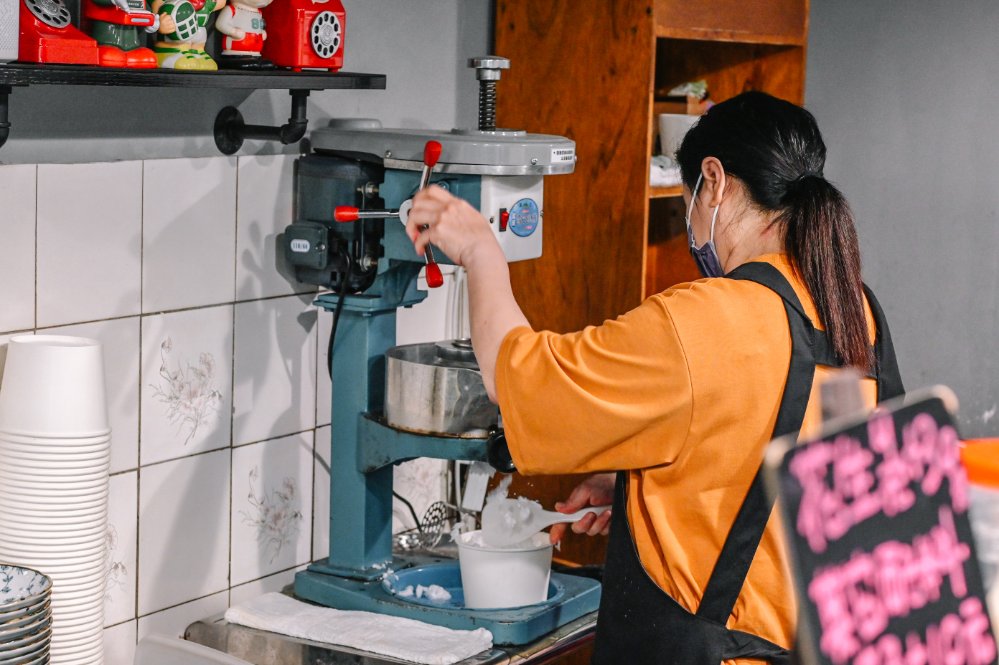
[[705, 256]]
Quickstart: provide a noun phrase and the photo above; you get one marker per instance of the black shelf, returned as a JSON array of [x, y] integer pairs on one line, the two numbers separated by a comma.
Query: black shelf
[[17, 74], [230, 128]]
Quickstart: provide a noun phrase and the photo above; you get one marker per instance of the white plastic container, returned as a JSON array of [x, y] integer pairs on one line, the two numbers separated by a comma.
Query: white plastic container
[[981, 460], [493, 578], [53, 386], [672, 128]]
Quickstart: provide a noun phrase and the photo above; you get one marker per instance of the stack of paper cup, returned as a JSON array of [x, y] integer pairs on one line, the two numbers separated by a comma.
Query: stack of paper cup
[[54, 459]]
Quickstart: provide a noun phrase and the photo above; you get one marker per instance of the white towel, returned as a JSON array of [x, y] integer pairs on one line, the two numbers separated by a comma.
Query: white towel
[[406, 639]]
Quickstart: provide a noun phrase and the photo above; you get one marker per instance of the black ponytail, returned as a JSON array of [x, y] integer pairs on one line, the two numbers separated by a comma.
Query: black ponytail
[[775, 149]]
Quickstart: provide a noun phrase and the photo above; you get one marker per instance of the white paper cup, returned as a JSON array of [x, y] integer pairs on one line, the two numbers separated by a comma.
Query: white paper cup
[[672, 128], [492, 578], [49, 443], [53, 386], [38, 500]]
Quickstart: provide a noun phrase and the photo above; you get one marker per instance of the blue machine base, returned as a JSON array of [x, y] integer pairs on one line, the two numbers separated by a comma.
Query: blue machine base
[[569, 597]]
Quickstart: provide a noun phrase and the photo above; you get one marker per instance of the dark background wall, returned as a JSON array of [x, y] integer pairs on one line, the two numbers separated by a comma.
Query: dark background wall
[[906, 96]]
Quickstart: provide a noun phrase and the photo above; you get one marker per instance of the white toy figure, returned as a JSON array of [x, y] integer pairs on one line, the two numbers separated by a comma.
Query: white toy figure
[[244, 32]]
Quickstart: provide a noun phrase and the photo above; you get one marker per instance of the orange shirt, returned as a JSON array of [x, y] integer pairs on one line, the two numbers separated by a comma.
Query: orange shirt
[[683, 391]]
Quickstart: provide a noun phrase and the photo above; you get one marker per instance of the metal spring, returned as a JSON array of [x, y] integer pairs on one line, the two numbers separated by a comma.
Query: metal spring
[[487, 106]]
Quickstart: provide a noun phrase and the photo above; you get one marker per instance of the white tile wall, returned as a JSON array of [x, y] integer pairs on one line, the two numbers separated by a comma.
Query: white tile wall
[[275, 356], [89, 251], [17, 249], [263, 210], [271, 507], [186, 389], [120, 338], [183, 530], [188, 233], [119, 644], [123, 524], [244, 367]]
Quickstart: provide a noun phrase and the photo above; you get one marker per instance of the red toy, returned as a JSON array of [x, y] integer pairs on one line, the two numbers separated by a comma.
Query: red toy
[[305, 34], [47, 35]]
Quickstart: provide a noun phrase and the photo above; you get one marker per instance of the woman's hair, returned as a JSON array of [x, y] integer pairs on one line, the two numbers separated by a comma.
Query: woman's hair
[[775, 149]]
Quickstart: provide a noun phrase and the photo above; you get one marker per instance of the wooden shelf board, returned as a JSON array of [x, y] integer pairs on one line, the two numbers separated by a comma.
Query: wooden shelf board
[[665, 192], [709, 35], [18, 74]]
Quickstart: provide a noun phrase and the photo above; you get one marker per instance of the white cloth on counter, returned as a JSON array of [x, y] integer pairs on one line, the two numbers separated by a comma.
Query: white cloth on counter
[[664, 172], [406, 639]]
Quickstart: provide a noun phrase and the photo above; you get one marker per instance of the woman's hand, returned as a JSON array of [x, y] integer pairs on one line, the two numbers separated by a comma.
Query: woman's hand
[[451, 224], [596, 490]]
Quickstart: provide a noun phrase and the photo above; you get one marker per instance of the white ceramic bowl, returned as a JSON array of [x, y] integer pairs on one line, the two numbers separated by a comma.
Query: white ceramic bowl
[[22, 587]]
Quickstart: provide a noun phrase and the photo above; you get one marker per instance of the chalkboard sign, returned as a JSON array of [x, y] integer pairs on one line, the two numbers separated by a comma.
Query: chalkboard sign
[[875, 517]]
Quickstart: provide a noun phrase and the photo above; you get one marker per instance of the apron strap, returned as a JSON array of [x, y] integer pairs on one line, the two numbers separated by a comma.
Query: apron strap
[[729, 574], [736, 557]]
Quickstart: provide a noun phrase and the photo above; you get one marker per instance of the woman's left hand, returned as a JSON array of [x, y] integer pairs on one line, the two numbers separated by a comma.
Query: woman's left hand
[[451, 224]]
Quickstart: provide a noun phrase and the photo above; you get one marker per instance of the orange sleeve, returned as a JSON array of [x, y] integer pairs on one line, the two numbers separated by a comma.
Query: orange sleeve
[[614, 396]]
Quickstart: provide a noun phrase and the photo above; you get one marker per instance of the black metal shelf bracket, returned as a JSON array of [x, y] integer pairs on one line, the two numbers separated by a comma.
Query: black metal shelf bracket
[[231, 130]]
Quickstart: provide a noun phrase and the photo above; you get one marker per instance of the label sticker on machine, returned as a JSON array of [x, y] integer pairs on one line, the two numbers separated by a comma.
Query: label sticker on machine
[[524, 217], [563, 155], [300, 246]]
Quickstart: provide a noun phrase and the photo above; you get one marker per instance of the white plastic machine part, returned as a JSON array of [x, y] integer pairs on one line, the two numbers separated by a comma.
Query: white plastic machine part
[[522, 198], [162, 650], [10, 18]]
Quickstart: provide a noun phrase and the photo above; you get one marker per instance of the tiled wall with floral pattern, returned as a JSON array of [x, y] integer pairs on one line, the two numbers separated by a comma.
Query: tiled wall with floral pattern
[[220, 417]]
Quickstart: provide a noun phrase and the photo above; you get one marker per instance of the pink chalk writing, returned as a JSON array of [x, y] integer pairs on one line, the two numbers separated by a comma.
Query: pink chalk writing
[[857, 599], [958, 639], [844, 483]]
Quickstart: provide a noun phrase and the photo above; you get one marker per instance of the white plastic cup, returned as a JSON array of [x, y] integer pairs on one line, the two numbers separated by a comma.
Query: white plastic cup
[[672, 128], [53, 385], [493, 578]]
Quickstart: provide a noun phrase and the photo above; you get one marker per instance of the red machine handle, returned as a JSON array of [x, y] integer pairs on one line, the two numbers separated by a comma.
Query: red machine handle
[[345, 213], [431, 153], [434, 277]]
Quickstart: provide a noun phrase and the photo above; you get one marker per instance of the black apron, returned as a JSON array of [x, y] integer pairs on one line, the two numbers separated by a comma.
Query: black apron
[[639, 623]]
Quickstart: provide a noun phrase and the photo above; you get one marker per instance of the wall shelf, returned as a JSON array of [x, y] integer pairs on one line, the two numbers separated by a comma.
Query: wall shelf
[[665, 192], [17, 74], [230, 129]]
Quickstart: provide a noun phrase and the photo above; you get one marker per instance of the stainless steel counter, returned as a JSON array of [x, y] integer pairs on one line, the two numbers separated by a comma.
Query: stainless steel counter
[[263, 648]]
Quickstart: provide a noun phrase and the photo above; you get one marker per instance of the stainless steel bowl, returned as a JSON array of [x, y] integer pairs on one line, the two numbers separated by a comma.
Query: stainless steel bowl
[[436, 388]]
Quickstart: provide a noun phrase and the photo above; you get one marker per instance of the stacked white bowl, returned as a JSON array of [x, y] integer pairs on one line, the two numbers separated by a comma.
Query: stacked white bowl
[[25, 616], [54, 459]]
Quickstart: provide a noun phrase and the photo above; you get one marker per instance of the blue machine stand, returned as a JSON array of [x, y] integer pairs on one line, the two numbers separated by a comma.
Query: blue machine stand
[[360, 573]]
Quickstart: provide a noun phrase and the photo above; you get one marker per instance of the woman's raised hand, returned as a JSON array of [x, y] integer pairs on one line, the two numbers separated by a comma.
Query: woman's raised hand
[[596, 490], [451, 224]]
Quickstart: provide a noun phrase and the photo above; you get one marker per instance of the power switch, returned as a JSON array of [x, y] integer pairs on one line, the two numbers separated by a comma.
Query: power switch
[[504, 218]]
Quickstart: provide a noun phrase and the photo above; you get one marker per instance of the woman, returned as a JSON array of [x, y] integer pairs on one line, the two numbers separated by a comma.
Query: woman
[[683, 393]]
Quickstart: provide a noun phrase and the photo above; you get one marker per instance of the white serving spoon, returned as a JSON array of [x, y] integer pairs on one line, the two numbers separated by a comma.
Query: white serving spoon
[[507, 522]]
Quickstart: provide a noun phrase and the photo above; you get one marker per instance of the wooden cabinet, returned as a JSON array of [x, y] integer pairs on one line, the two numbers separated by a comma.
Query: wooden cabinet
[[589, 70]]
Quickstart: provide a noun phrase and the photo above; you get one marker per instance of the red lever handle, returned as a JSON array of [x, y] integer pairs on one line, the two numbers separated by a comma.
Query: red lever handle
[[431, 153], [345, 213], [434, 277]]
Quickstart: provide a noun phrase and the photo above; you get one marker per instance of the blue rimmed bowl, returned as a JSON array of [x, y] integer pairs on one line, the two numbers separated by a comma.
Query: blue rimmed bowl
[[21, 588]]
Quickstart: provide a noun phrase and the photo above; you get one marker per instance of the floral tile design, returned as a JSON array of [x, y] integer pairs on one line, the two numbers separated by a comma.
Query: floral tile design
[[275, 380], [189, 241], [120, 338], [186, 378], [17, 249], [89, 230], [263, 210], [119, 644], [183, 530], [119, 599], [272, 506]]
